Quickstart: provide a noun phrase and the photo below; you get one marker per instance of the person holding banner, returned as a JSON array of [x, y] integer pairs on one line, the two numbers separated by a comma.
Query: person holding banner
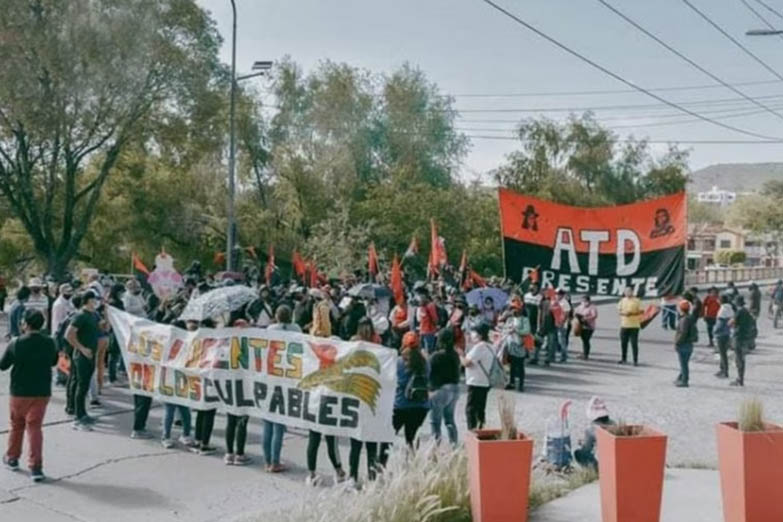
[[274, 431], [631, 312], [365, 332], [205, 419], [236, 425]]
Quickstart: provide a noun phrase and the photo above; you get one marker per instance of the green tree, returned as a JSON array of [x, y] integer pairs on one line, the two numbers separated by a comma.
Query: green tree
[[581, 163], [705, 213], [84, 80]]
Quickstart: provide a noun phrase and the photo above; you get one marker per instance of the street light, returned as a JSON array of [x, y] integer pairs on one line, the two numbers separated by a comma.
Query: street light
[[764, 32], [262, 67]]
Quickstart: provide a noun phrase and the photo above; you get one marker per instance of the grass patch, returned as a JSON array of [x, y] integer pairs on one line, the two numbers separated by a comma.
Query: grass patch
[[428, 486], [544, 489], [751, 416]]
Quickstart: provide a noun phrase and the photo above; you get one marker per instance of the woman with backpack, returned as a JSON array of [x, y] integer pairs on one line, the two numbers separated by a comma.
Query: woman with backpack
[[478, 363], [411, 399], [444, 384]]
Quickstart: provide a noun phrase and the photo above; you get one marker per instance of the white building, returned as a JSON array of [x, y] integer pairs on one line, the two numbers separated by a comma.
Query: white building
[[717, 197]]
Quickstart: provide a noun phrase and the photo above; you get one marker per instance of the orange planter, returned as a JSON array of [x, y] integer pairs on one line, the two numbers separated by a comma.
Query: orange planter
[[631, 475], [499, 477], [751, 473]]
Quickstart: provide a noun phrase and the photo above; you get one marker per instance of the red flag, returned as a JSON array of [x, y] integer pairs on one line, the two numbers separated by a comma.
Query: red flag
[[139, 266], [477, 279], [299, 264], [372, 260], [463, 265], [313, 275], [396, 282], [413, 248], [270, 265], [432, 265]]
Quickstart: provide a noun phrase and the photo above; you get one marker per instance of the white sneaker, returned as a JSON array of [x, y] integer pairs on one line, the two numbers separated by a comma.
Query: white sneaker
[[186, 441], [81, 426], [313, 481], [353, 485], [140, 434], [229, 459], [339, 478], [167, 443]]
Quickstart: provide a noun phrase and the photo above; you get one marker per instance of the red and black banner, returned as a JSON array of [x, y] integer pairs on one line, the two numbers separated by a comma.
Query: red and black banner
[[598, 251]]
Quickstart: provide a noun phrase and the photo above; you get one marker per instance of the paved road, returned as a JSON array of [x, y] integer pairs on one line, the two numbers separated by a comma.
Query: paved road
[[105, 475]]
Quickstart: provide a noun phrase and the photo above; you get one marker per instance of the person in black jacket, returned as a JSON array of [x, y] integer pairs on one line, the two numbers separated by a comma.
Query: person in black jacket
[[744, 334], [30, 358], [444, 385], [683, 341]]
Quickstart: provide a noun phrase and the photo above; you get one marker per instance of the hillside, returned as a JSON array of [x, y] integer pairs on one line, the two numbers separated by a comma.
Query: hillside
[[737, 177]]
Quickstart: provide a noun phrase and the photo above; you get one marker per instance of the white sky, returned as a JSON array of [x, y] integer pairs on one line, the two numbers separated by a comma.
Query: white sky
[[467, 47]]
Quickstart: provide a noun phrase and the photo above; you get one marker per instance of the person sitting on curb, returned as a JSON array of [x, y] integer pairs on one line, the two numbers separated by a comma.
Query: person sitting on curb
[[598, 415], [30, 358]]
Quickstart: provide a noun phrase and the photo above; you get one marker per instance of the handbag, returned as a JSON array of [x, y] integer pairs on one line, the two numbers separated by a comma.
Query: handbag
[[576, 326]]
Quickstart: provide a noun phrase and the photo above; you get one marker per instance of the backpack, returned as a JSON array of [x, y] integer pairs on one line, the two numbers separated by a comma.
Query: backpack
[[496, 375], [417, 389], [59, 335]]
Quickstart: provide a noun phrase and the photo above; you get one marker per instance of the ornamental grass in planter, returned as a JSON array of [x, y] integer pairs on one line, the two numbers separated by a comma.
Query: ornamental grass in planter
[[750, 458], [631, 460], [499, 463]]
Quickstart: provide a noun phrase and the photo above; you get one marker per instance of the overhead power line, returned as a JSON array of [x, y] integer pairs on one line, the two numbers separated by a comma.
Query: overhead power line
[[770, 9], [611, 91], [621, 79], [658, 142], [687, 59], [736, 42], [760, 16], [632, 106]]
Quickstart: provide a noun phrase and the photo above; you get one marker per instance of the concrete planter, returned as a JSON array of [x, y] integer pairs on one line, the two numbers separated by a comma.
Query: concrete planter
[[499, 476]]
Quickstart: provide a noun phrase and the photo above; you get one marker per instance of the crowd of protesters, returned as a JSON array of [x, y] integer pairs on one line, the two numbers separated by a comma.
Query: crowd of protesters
[[438, 335]]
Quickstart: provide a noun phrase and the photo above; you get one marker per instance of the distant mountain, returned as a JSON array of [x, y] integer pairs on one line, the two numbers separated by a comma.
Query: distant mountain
[[737, 177]]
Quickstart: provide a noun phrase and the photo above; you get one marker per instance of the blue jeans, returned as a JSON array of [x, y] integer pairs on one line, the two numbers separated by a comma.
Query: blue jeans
[[428, 342], [669, 316], [168, 419], [562, 342], [684, 352], [273, 442], [442, 405], [550, 345]]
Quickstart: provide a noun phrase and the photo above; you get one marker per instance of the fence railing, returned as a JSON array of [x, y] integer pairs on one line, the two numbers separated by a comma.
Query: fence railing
[[724, 275]]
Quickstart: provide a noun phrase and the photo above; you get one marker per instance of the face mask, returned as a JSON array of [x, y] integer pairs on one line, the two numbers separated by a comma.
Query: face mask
[[67, 297]]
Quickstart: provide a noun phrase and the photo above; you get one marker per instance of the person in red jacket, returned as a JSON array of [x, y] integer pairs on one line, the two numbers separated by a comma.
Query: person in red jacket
[[711, 306]]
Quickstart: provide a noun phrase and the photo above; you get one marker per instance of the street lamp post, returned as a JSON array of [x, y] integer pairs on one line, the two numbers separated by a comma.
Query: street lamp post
[[262, 67], [230, 233]]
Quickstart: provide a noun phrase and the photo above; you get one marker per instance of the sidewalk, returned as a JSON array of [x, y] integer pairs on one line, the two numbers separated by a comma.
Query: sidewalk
[[688, 495]]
